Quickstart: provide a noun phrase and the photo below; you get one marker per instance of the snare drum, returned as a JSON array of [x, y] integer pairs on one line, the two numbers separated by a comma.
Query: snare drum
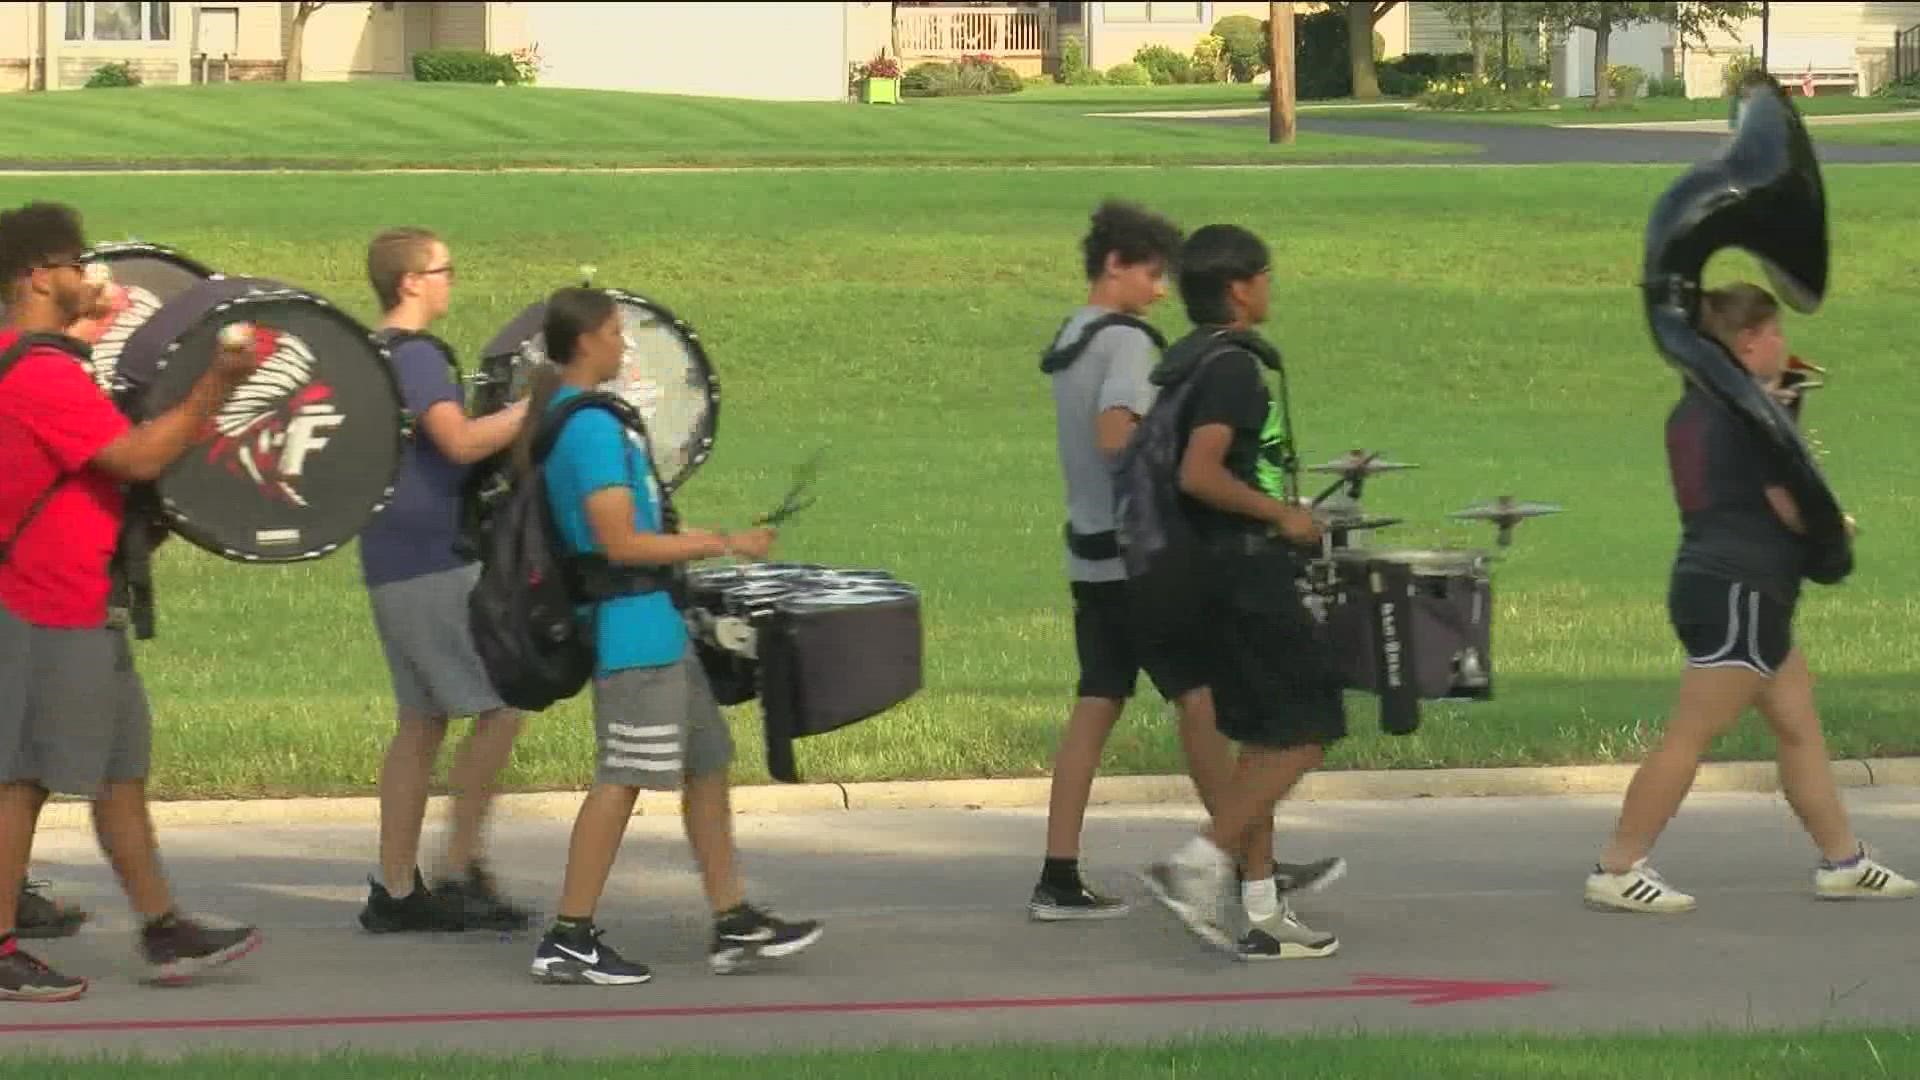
[[152, 276], [1438, 604], [664, 374], [829, 659], [303, 454]]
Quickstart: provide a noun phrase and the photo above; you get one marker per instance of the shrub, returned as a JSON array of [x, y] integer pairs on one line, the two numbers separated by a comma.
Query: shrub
[[1736, 71], [118, 73], [1675, 87], [1210, 60], [1245, 41], [1485, 94], [1165, 65], [1408, 76], [973, 75], [1321, 62], [1128, 74], [1625, 81], [1907, 89], [464, 66], [1073, 63]]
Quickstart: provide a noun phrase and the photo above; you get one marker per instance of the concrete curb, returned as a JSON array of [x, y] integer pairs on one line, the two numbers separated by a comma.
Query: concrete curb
[[1025, 792]]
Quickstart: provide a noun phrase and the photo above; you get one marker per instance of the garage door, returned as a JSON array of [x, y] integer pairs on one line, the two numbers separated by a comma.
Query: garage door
[[771, 51]]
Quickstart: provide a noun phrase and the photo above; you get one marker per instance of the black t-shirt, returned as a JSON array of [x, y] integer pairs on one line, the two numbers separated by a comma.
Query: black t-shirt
[[1229, 390], [1720, 471]]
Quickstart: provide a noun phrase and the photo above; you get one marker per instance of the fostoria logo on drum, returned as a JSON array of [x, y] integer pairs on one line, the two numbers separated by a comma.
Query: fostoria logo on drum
[[277, 420], [132, 307]]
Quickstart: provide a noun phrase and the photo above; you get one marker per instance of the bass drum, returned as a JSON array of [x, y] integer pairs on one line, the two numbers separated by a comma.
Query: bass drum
[[151, 276], [664, 374], [303, 454]]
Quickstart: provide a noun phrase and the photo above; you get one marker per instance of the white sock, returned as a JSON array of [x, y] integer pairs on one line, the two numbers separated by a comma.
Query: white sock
[[1200, 852], [1262, 898]]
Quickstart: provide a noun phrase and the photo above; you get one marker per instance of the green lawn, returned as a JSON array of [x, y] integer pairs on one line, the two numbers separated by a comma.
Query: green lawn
[[1642, 111], [427, 125], [1808, 1056], [1488, 331], [1895, 133]]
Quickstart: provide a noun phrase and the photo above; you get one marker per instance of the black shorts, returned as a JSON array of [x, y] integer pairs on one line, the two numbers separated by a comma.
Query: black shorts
[[1723, 623], [1243, 630], [1275, 683], [1107, 638]]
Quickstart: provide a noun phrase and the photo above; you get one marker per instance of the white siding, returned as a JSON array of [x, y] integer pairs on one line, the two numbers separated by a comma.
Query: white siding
[[769, 51]]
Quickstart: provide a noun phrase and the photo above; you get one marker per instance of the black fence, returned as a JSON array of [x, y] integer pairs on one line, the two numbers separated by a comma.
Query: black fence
[[1906, 54]]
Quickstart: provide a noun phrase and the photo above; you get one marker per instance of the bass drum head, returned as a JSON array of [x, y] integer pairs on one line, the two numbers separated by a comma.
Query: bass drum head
[[664, 374], [304, 453], [152, 276]]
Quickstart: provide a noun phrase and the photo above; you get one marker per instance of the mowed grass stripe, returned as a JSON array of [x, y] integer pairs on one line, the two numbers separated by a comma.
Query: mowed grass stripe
[[1481, 323], [412, 124]]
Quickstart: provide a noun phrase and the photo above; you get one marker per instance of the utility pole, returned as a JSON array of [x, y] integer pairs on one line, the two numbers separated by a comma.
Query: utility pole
[[1280, 90]]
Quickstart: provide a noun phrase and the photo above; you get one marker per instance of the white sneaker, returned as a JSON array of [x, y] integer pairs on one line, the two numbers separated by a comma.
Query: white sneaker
[[1639, 889], [1285, 937], [1194, 893], [1866, 879]]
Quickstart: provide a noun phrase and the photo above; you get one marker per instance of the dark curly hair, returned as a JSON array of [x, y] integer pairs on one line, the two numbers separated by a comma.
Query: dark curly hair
[[1132, 232], [33, 234]]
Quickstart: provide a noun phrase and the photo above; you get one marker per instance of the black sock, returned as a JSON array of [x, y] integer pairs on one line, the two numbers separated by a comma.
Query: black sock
[[161, 922], [571, 926], [1060, 873]]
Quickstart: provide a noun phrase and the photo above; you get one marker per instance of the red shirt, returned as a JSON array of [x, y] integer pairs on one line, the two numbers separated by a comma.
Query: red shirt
[[53, 421]]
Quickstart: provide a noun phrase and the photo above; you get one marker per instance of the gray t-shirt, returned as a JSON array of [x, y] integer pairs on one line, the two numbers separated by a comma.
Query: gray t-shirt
[[1111, 373]]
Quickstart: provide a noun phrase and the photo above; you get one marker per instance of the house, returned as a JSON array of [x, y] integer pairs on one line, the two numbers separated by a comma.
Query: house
[[58, 46], [790, 51], [1846, 48]]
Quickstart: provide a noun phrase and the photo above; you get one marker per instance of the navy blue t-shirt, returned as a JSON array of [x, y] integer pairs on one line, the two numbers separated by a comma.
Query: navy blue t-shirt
[[415, 535]]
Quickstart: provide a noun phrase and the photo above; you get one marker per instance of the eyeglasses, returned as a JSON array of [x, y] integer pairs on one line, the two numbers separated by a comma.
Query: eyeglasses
[[447, 270]]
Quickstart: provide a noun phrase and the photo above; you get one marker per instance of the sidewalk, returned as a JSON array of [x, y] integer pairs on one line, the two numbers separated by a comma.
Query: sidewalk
[[927, 938]]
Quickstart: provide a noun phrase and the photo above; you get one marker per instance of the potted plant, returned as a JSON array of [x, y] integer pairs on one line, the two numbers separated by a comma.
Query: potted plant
[[880, 81]]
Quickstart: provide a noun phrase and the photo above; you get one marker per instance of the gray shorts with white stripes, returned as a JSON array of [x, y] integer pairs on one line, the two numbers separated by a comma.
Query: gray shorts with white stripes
[[654, 726]]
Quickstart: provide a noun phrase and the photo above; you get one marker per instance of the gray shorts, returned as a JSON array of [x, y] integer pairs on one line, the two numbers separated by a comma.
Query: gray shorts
[[73, 712], [653, 726], [424, 631]]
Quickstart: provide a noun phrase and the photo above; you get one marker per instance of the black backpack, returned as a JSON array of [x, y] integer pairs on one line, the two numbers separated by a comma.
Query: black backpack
[[1063, 357], [524, 609], [1156, 539]]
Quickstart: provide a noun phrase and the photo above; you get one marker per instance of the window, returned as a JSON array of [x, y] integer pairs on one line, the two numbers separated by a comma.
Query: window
[[119, 21], [1153, 13]]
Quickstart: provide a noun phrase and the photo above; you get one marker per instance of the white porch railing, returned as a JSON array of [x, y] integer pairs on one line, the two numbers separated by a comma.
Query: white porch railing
[[1000, 32]]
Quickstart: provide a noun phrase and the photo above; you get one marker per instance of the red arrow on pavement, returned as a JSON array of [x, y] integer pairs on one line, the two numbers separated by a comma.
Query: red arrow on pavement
[[1418, 992]]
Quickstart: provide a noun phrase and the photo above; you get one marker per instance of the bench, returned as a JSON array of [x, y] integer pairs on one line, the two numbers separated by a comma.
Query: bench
[[1828, 58]]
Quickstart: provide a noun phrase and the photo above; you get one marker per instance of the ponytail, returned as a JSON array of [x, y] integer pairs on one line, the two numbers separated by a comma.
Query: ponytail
[[543, 385]]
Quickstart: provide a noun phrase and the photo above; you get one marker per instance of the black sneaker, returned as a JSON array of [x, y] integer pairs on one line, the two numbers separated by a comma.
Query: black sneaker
[[40, 916], [1310, 877], [580, 958], [420, 911], [746, 933], [24, 978], [476, 903], [184, 948], [1051, 903]]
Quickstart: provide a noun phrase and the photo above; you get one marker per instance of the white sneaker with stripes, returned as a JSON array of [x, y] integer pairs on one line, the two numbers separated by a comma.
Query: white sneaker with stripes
[[1641, 888], [1863, 880]]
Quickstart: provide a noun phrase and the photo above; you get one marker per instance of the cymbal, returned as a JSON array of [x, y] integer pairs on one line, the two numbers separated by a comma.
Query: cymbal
[[1505, 508], [1360, 463]]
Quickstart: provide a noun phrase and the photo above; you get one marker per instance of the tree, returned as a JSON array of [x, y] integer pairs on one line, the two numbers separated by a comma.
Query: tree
[[296, 40], [1476, 19], [1690, 20], [1361, 15]]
